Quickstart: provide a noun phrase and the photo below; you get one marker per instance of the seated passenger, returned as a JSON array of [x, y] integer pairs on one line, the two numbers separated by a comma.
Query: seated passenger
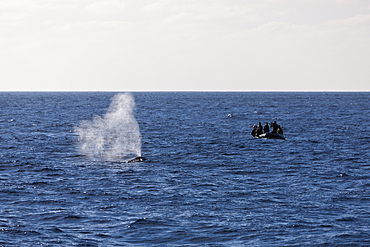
[[274, 127], [279, 130], [259, 129], [254, 131], [266, 128]]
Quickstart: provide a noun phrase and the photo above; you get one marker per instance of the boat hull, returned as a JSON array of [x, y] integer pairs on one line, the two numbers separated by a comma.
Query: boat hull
[[271, 136]]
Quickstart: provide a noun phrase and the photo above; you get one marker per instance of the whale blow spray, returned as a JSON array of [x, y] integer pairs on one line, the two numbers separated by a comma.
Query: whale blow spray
[[114, 137]]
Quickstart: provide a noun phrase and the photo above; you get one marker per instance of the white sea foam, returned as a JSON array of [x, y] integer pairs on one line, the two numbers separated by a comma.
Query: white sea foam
[[114, 137]]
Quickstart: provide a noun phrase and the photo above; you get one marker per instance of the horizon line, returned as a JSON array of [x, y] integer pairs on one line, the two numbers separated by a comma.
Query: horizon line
[[205, 91]]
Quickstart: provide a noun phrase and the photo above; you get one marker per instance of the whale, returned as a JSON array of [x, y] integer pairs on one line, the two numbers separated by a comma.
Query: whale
[[136, 159]]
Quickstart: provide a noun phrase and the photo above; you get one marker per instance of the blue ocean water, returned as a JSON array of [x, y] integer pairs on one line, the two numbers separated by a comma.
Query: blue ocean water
[[205, 180]]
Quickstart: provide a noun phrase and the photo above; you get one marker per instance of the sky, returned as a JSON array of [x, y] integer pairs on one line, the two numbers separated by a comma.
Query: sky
[[185, 45]]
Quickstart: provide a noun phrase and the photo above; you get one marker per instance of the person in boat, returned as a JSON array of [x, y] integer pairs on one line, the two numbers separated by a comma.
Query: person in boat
[[259, 130], [279, 130], [274, 127], [254, 131], [266, 128]]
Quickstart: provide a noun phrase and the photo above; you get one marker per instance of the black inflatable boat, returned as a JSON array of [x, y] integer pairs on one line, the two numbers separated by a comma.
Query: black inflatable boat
[[271, 136]]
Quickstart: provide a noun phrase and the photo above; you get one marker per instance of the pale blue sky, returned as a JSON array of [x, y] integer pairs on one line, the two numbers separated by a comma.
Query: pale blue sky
[[218, 45]]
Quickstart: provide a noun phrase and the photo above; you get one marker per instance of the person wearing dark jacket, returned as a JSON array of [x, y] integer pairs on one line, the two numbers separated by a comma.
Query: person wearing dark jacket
[[266, 128], [254, 131], [274, 127], [259, 129], [280, 130]]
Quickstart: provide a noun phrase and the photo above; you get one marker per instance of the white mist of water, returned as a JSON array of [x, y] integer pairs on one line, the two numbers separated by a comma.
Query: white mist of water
[[114, 137]]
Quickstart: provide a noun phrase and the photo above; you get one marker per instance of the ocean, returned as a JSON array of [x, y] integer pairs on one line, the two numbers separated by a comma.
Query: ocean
[[205, 181]]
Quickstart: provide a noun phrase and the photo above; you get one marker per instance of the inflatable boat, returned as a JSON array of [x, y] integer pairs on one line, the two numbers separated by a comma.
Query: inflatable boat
[[271, 136]]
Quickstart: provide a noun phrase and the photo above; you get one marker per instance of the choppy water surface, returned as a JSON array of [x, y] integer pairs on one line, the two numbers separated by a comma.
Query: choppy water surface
[[205, 181]]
